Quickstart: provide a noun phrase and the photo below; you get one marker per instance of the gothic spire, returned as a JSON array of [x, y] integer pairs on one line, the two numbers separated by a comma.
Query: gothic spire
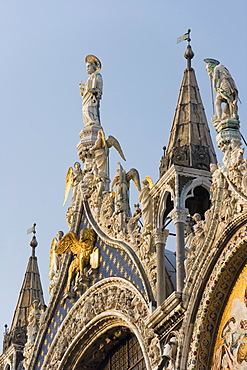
[[190, 143], [31, 290]]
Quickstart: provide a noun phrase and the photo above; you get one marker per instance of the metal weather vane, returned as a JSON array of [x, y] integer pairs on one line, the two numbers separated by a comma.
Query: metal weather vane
[[32, 229], [185, 37]]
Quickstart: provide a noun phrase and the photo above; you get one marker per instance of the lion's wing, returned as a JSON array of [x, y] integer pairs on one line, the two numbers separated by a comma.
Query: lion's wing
[[69, 243]]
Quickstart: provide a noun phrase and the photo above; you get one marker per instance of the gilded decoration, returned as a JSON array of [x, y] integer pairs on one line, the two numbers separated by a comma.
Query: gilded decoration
[[114, 261], [213, 303], [83, 250], [230, 350]]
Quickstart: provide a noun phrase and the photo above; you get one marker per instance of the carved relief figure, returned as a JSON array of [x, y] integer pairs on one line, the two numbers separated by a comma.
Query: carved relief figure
[[91, 92], [235, 162], [226, 90], [82, 250]]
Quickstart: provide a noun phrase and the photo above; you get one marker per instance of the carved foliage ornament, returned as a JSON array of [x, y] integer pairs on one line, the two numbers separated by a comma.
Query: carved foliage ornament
[[112, 298]]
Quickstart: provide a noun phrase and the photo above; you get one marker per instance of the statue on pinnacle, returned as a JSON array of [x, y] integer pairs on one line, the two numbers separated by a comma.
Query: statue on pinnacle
[[226, 91], [91, 92]]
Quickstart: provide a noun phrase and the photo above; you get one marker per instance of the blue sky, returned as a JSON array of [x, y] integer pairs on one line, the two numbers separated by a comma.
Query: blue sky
[[43, 46]]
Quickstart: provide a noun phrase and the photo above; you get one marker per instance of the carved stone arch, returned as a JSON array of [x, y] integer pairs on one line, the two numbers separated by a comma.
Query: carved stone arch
[[198, 188], [90, 347], [205, 311], [205, 183], [162, 206], [110, 306]]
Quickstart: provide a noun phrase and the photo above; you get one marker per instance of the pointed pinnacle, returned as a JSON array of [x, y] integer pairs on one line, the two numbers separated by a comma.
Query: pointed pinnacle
[[33, 244], [189, 54]]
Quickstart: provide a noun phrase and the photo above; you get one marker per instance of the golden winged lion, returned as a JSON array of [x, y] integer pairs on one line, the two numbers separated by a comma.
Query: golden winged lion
[[82, 250]]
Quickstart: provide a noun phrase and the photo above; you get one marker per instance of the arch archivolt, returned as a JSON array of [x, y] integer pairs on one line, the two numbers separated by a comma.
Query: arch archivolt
[[104, 314], [205, 183], [207, 315]]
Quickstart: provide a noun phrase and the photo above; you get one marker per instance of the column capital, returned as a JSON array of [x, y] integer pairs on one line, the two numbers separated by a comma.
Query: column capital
[[179, 214], [160, 236]]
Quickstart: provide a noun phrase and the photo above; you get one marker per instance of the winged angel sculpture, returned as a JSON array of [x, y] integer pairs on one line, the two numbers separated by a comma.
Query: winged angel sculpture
[[121, 182], [84, 253], [101, 152], [73, 178]]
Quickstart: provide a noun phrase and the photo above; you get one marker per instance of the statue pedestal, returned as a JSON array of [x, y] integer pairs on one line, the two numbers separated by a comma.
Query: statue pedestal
[[88, 136], [228, 130]]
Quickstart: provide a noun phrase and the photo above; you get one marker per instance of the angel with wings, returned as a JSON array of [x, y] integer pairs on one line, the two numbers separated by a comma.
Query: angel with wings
[[73, 178], [82, 249], [121, 181], [101, 152]]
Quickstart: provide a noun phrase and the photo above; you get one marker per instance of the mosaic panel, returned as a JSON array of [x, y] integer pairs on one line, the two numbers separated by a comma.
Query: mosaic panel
[[213, 300]]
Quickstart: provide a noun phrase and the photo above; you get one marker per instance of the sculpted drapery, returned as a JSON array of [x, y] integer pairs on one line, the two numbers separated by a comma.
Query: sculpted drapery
[[91, 92]]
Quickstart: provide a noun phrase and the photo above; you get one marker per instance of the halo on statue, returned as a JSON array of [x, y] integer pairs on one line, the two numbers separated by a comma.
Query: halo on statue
[[93, 58], [210, 60]]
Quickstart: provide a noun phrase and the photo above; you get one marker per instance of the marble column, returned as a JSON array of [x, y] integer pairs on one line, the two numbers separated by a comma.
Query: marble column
[[179, 216], [160, 237]]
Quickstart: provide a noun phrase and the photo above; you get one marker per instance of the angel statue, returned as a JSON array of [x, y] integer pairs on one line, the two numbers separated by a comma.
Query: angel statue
[[91, 92], [73, 178], [226, 90], [101, 153], [146, 201], [122, 183], [83, 250], [54, 257]]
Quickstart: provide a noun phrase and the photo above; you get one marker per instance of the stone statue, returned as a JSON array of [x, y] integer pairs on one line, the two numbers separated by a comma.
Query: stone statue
[[169, 353], [146, 202], [33, 322], [91, 92], [54, 257], [73, 178], [226, 90], [121, 181], [199, 228], [82, 250], [133, 227], [101, 152]]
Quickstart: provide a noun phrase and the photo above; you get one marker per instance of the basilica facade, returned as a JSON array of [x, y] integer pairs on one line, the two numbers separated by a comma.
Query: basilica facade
[[119, 299]]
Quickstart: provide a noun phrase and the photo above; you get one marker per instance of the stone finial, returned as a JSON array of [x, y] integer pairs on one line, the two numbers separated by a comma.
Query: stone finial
[[33, 244], [189, 54]]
